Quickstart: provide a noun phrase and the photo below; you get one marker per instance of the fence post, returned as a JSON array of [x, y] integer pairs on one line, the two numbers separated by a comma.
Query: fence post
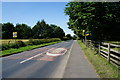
[[109, 52], [90, 44], [85, 41], [99, 48]]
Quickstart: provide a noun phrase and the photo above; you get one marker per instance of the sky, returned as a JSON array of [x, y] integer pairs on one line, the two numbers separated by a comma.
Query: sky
[[31, 12], [35, 0]]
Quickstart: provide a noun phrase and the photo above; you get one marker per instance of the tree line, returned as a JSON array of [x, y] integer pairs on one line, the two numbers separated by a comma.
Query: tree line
[[100, 19], [39, 31]]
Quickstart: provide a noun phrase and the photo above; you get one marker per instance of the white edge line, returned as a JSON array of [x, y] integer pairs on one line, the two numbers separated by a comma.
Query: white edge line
[[69, 53], [34, 56]]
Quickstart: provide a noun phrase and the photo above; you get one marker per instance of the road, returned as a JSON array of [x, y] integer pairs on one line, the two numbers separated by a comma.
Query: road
[[51, 61]]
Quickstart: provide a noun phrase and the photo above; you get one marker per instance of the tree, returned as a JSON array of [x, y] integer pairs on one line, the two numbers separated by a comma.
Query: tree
[[101, 19], [7, 30], [41, 30], [57, 32], [23, 31], [80, 16], [74, 37], [0, 30], [69, 36]]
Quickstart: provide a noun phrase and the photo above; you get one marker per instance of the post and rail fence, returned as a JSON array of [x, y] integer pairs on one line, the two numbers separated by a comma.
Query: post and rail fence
[[111, 52]]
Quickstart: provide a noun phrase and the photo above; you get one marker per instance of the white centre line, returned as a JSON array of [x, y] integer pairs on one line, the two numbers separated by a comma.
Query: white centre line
[[34, 56]]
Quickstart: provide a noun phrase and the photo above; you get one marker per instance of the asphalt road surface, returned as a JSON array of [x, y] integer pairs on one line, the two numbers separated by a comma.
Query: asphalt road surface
[[36, 63], [61, 60]]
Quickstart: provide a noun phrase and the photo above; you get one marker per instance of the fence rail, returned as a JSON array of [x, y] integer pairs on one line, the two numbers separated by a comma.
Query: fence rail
[[107, 51]]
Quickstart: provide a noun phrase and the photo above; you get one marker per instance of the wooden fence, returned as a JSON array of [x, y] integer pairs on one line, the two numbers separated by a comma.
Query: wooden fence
[[111, 52]]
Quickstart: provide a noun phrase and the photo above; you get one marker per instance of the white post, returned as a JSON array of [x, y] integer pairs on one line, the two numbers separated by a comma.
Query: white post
[[99, 47], [108, 52]]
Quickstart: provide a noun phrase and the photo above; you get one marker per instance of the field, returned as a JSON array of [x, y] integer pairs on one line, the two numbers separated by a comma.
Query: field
[[6, 41]]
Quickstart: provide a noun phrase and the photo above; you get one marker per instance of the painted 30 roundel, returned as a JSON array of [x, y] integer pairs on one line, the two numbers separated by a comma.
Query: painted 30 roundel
[[57, 52]]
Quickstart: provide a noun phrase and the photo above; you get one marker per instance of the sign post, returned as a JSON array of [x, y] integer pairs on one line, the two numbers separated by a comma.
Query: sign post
[[15, 35], [85, 33]]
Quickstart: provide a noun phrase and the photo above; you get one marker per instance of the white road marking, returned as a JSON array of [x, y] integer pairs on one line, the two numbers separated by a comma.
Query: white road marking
[[56, 52], [49, 54], [59, 71], [31, 58], [41, 54], [34, 56]]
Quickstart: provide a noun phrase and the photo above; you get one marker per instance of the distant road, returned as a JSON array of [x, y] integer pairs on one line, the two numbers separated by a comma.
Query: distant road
[[36, 63]]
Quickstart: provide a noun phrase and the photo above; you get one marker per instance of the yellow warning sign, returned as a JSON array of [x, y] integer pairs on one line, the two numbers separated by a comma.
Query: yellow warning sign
[[14, 34], [86, 34]]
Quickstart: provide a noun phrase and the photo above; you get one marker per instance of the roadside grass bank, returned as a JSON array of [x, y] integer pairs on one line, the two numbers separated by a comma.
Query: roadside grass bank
[[21, 49], [102, 67]]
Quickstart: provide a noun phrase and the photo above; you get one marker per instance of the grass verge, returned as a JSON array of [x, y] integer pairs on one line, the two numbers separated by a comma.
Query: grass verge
[[102, 67], [21, 49]]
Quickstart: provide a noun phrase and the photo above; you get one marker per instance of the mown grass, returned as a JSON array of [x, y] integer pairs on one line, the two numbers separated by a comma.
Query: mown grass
[[21, 49], [102, 67]]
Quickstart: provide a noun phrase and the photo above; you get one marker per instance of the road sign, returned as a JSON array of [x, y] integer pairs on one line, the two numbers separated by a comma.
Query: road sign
[[14, 34], [86, 34], [83, 31]]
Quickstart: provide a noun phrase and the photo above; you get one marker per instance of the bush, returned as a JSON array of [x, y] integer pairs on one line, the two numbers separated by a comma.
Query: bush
[[5, 46], [65, 38], [19, 44], [41, 41]]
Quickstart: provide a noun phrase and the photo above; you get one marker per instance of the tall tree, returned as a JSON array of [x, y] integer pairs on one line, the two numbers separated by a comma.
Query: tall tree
[[7, 30], [41, 30], [23, 31], [100, 19], [69, 36], [0, 30], [57, 31]]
